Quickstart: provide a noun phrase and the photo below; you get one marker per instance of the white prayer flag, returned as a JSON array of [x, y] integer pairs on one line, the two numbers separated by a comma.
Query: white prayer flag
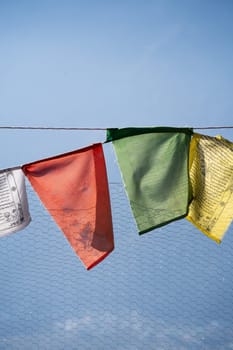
[[14, 211]]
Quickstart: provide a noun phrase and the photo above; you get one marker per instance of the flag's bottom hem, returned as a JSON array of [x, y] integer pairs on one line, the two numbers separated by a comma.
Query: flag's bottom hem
[[89, 267]]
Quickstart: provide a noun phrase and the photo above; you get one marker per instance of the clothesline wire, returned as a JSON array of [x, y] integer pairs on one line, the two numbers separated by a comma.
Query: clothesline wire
[[93, 129], [47, 128]]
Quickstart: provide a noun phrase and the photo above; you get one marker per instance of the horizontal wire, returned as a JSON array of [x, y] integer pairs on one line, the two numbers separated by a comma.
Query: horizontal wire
[[47, 128], [213, 127], [94, 129]]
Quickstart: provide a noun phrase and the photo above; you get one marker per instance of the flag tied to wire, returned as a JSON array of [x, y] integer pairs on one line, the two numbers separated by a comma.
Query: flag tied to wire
[[14, 211], [154, 167], [211, 174], [74, 189]]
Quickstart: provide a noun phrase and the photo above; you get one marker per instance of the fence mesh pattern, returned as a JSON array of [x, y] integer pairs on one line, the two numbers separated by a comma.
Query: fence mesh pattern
[[171, 288]]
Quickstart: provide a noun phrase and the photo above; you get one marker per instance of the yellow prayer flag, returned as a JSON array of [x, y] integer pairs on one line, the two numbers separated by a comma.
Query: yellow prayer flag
[[211, 175]]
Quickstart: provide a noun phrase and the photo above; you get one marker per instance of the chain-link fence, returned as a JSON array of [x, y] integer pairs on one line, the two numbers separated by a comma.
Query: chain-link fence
[[171, 288]]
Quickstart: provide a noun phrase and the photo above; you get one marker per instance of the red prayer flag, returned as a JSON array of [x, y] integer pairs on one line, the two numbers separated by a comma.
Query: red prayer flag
[[74, 189]]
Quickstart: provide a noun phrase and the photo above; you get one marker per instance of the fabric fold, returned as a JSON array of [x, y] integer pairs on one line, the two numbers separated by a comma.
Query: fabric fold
[[211, 175], [74, 189], [154, 168], [14, 210]]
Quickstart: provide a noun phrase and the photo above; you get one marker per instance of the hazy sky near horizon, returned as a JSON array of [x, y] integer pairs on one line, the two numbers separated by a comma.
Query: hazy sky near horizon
[[113, 64]]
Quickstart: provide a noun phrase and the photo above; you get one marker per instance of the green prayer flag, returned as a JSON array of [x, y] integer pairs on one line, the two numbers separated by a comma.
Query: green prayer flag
[[154, 167]]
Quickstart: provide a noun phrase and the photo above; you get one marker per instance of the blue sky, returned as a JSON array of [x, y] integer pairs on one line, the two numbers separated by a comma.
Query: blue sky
[[113, 64]]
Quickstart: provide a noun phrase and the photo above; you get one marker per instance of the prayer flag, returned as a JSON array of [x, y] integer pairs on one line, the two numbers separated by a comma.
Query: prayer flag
[[154, 167], [74, 189], [14, 212], [211, 175]]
